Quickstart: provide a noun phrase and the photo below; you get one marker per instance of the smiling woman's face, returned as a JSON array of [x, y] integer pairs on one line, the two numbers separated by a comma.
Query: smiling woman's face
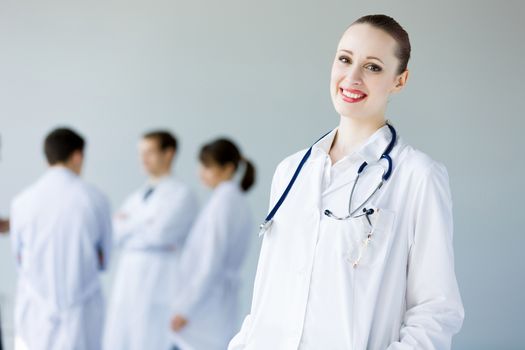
[[365, 72]]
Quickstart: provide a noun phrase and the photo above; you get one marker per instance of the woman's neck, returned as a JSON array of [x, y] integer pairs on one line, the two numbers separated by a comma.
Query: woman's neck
[[351, 134]]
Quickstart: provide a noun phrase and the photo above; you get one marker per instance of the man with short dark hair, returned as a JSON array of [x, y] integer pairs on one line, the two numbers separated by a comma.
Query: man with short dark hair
[[150, 230], [61, 236], [164, 140]]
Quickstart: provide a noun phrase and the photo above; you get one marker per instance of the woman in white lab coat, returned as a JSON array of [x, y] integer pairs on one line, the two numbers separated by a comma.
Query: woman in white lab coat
[[342, 266], [205, 309]]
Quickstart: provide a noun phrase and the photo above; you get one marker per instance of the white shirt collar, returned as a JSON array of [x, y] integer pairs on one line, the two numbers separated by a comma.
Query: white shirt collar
[[61, 170], [160, 180], [369, 151]]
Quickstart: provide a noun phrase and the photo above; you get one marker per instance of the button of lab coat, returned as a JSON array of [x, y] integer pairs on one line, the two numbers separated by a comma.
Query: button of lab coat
[[295, 335], [292, 342], [301, 271], [315, 220], [302, 344], [298, 334]]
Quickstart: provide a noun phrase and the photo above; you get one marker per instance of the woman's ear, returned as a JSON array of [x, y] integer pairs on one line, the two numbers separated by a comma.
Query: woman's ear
[[401, 81], [230, 168]]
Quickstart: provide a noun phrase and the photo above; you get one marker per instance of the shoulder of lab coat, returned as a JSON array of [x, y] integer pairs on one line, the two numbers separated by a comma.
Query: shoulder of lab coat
[[283, 174], [434, 308], [93, 201]]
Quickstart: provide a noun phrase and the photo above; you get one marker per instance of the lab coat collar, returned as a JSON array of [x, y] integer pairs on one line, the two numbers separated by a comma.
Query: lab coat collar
[[154, 186], [158, 181], [58, 170], [227, 184], [369, 151]]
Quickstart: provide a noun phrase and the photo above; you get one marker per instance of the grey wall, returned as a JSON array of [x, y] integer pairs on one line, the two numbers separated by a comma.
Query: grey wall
[[259, 72]]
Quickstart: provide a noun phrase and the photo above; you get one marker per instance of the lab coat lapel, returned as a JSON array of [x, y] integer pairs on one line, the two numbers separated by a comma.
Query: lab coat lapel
[[147, 206], [303, 201], [369, 152], [140, 209], [314, 181]]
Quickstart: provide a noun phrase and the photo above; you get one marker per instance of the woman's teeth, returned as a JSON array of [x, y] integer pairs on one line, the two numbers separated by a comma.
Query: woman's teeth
[[351, 95]]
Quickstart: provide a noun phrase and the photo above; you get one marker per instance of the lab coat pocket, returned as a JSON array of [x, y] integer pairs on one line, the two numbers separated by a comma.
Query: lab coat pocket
[[370, 245]]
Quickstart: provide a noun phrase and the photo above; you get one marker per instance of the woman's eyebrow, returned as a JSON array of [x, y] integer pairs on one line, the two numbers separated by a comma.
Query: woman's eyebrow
[[368, 57], [374, 58]]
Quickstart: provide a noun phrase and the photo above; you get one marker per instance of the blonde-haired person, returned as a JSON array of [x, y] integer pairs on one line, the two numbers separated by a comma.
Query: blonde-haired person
[[359, 254]]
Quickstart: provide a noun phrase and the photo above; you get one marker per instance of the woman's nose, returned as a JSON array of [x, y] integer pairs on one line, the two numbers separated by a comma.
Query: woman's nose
[[354, 75]]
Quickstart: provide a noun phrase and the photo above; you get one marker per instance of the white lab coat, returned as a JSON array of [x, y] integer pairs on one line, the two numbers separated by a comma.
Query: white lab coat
[[59, 227], [403, 294], [150, 233], [210, 268]]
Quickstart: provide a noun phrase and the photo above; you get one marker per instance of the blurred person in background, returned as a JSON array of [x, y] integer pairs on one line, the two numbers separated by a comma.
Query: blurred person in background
[[4, 225], [150, 230], [61, 237], [205, 310]]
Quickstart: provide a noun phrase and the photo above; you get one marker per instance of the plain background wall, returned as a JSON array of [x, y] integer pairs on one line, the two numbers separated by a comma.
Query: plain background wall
[[258, 71]]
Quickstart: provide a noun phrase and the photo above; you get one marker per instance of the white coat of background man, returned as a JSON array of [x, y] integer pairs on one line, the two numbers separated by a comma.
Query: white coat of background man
[[4, 228], [150, 229], [61, 236]]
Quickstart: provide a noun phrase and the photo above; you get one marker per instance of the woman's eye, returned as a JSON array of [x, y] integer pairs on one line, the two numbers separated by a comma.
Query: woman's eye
[[344, 59], [373, 68]]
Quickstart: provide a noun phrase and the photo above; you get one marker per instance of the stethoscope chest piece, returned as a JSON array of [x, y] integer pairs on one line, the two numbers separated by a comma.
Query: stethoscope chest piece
[[265, 226]]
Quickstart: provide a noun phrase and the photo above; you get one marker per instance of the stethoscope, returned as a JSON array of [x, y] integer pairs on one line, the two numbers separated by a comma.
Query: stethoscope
[[351, 213]]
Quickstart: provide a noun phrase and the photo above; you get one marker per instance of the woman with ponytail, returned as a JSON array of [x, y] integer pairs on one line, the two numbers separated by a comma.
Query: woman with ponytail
[[205, 309]]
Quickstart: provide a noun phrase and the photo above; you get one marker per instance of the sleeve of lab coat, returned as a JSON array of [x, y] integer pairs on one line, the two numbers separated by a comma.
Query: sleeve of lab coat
[[434, 311], [203, 256], [168, 227], [239, 341], [14, 233], [123, 227], [105, 229]]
